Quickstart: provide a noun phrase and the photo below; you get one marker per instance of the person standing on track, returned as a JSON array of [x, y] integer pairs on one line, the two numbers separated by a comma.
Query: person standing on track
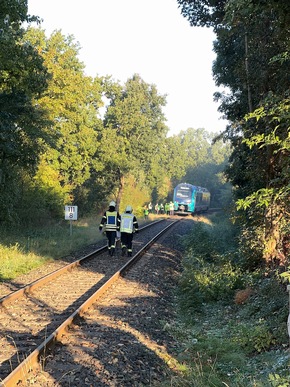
[[111, 223], [171, 208], [146, 212], [157, 208], [150, 208], [167, 210], [129, 226]]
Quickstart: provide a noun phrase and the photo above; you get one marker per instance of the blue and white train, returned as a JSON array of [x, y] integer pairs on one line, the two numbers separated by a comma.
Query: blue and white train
[[190, 199]]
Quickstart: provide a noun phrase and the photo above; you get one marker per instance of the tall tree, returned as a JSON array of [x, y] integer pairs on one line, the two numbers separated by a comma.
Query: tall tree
[[23, 77], [261, 85], [134, 125], [72, 100], [252, 50]]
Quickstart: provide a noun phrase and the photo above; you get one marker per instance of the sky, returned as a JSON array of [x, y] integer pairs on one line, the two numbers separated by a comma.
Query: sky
[[147, 37]]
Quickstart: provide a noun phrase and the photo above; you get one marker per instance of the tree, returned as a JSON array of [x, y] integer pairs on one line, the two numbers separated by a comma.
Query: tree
[[252, 61], [271, 201], [23, 77], [204, 161], [134, 125], [203, 13], [72, 101]]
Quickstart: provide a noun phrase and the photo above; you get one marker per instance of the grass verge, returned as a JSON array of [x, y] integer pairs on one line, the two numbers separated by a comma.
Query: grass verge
[[22, 250]]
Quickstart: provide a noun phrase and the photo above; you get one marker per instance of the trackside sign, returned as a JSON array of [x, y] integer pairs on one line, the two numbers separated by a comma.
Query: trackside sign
[[71, 213]]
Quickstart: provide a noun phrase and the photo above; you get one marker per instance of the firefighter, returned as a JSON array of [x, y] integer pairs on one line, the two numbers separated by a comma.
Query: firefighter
[[129, 226], [110, 223]]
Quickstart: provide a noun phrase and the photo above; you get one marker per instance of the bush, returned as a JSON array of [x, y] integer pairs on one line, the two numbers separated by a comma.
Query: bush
[[253, 337], [204, 282], [210, 273]]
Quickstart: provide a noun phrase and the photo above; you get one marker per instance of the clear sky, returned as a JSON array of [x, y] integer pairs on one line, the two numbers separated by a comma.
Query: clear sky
[[148, 37]]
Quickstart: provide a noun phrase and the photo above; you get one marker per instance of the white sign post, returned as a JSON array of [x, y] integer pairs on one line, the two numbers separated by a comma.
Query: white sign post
[[71, 213]]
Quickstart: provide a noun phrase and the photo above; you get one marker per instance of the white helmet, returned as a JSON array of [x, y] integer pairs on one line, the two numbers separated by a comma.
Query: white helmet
[[112, 204], [128, 209]]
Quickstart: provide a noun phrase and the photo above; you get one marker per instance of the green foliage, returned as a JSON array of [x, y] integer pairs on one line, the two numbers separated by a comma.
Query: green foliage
[[253, 337], [72, 100], [64, 153], [227, 340], [258, 107], [201, 284], [23, 77], [135, 194], [41, 200], [133, 128], [269, 305], [271, 203], [278, 381], [174, 157], [196, 157], [208, 275], [285, 276], [202, 12], [218, 235], [262, 198]]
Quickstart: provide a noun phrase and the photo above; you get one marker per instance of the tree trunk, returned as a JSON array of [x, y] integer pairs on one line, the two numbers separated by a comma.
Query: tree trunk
[[250, 105], [272, 252], [120, 189]]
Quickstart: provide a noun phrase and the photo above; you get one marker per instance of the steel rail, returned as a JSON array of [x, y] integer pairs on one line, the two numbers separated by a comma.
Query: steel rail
[[54, 274], [34, 360]]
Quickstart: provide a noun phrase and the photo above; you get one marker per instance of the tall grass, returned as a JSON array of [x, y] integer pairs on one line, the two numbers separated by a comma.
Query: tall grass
[[14, 261], [24, 249]]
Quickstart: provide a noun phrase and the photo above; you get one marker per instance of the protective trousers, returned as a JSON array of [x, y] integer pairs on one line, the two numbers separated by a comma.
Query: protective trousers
[[126, 241], [111, 236]]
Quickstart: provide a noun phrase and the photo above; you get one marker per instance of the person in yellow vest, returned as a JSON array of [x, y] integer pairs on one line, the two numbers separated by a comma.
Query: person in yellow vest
[[129, 226], [111, 224], [146, 212], [167, 209]]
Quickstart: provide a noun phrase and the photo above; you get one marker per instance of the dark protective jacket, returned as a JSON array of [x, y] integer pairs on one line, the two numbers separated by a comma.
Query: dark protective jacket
[[111, 220]]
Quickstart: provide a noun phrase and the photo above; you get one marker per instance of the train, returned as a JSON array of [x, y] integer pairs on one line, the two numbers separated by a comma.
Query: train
[[190, 199]]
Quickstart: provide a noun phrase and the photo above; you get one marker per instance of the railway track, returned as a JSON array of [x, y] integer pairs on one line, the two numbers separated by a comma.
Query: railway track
[[34, 317]]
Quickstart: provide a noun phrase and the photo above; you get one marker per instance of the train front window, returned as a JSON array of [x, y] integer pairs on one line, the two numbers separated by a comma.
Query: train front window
[[183, 194]]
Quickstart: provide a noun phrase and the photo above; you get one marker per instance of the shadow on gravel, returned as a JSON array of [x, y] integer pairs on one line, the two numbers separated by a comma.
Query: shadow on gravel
[[123, 342]]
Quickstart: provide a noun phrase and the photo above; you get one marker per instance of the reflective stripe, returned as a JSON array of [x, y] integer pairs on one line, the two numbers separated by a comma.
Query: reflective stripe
[[127, 223]]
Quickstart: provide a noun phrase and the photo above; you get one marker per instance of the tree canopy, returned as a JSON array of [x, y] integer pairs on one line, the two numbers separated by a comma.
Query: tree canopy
[[252, 48], [23, 77], [57, 148], [134, 126]]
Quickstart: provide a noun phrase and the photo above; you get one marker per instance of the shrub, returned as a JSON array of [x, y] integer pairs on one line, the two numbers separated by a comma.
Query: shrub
[[206, 282], [253, 337]]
